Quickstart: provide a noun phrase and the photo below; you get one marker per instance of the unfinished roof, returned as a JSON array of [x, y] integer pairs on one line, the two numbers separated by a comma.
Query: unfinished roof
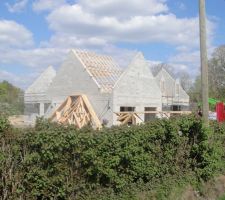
[[103, 69], [41, 84]]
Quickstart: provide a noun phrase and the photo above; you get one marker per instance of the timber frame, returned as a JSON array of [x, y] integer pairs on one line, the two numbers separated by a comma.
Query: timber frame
[[76, 110], [131, 117]]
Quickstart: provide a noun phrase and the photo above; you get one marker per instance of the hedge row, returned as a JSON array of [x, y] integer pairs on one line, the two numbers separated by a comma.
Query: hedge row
[[56, 162]]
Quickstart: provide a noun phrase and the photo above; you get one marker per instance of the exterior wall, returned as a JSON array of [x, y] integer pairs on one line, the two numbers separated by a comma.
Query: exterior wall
[[35, 98], [34, 104], [136, 88], [73, 79], [31, 108], [102, 105], [169, 95]]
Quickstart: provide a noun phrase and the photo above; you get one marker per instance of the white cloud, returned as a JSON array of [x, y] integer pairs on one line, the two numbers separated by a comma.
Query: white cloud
[[18, 6], [36, 58], [99, 25], [13, 34], [189, 59], [39, 58], [77, 24], [121, 55], [72, 41], [42, 5], [16, 49], [186, 60], [154, 62], [80, 21], [182, 6], [5, 75], [17, 80], [124, 8], [186, 57]]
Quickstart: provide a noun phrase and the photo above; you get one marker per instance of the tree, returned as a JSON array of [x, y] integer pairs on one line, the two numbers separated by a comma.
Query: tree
[[156, 68], [185, 80], [216, 77], [217, 73], [195, 90], [184, 76], [11, 99]]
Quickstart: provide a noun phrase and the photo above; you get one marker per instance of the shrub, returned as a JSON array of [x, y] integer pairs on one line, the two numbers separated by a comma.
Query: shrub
[[4, 123], [56, 162]]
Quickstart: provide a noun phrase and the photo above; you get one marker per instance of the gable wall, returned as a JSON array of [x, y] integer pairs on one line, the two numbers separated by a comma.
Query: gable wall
[[169, 95], [35, 97], [72, 78], [136, 88], [36, 92]]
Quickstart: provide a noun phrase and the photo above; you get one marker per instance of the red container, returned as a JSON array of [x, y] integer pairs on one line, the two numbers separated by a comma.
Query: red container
[[220, 112]]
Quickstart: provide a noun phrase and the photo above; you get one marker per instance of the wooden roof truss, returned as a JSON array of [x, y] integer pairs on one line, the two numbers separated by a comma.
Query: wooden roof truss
[[102, 68], [127, 118], [76, 110], [132, 117]]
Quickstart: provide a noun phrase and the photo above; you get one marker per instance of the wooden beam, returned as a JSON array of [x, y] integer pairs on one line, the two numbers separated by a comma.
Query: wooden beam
[[76, 110], [156, 112], [91, 111], [124, 117], [126, 120]]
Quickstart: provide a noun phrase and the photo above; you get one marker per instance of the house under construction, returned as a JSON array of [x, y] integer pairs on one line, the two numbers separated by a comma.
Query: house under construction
[[35, 97], [92, 88], [173, 95]]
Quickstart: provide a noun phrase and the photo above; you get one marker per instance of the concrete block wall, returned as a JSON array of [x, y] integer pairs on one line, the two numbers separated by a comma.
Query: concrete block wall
[[136, 88], [73, 79]]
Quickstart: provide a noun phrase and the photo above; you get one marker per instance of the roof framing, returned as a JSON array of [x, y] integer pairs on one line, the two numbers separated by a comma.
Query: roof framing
[[103, 69]]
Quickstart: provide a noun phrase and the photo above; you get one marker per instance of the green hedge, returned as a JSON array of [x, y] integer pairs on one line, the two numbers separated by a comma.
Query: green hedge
[[56, 162]]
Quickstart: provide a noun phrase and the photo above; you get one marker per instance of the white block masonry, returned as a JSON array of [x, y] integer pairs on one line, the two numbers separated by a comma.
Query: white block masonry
[[35, 97], [73, 78], [136, 88], [98, 77], [172, 92]]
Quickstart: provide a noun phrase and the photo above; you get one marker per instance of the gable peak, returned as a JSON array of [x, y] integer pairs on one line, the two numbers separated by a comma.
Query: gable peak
[[139, 55], [50, 69]]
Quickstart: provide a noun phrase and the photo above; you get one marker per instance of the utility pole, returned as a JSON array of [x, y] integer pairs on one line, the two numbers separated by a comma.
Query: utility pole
[[204, 61]]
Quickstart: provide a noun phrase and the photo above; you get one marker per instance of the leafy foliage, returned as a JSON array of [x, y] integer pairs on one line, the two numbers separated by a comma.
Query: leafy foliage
[[4, 124], [216, 66], [11, 101], [217, 73], [145, 161], [195, 90]]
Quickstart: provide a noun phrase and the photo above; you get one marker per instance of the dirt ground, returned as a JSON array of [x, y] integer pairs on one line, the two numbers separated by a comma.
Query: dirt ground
[[21, 121], [211, 190]]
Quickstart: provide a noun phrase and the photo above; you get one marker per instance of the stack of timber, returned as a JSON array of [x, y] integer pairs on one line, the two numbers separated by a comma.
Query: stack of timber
[[76, 110], [128, 118]]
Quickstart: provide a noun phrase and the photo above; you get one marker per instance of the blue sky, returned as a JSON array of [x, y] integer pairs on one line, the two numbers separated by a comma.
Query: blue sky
[[38, 33]]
